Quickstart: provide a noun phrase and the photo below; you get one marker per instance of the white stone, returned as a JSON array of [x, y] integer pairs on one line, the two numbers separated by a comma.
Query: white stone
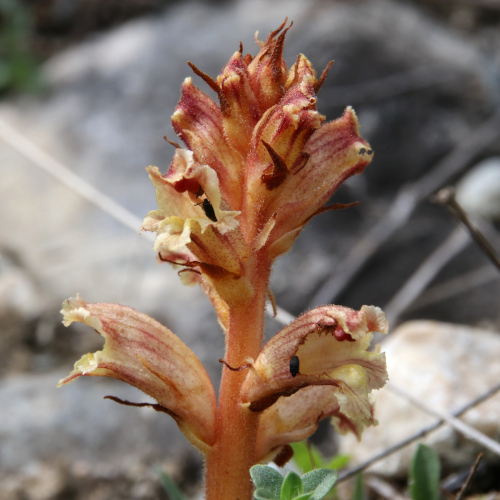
[[478, 192]]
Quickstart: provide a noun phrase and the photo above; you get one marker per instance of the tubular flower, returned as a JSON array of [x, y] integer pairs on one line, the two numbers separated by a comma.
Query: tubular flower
[[143, 353], [316, 367], [258, 165]]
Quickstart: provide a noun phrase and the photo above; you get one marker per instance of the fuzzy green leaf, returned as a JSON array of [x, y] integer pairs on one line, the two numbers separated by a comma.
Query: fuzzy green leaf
[[292, 487], [425, 472], [305, 496], [319, 482], [267, 482], [359, 490], [264, 494], [338, 462], [307, 456]]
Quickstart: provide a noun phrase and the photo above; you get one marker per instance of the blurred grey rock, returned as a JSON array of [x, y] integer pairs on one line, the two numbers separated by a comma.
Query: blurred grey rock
[[74, 422], [55, 438], [19, 294], [445, 366]]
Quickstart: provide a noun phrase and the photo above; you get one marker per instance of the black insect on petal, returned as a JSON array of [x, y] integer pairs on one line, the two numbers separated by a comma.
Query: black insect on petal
[[294, 366], [208, 209]]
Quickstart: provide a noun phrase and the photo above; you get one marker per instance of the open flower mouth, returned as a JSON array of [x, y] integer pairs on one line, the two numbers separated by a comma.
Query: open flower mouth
[[327, 346]]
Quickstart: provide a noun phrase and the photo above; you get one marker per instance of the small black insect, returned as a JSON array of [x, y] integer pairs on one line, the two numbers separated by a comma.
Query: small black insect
[[294, 366], [208, 209], [364, 151]]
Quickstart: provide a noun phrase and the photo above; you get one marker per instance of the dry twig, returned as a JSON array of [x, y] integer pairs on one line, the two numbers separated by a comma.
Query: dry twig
[[425, 273], [461, 427], [463, 489], [446, 197], [455, 286], [383, 488], [56, 169], [418, 435]]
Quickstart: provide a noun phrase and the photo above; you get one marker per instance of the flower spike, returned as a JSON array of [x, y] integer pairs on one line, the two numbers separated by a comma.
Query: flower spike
[[258, 163]]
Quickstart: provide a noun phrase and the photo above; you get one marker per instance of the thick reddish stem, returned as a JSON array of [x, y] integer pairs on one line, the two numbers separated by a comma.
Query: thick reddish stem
[[229, 461]]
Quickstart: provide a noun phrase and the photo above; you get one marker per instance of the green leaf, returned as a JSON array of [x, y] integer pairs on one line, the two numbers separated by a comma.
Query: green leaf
[[291, 487], [338, 462], [359, 490], [18, 69], [303, 452], [305, 496], [319, 482], [169, 486], [264, 494], [425, 472], [267, 482]]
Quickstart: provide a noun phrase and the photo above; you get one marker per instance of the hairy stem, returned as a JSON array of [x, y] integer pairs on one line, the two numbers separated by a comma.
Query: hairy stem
[[229, 461]]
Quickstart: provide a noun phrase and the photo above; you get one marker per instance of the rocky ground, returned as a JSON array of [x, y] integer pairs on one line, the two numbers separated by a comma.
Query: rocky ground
[[424, 78]]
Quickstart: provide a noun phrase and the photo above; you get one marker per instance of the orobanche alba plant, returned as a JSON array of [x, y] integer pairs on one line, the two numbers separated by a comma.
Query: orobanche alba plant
[[257, 166]]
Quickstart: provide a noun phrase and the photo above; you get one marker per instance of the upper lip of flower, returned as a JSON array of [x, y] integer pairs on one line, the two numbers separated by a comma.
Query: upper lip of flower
[[140, 351]]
